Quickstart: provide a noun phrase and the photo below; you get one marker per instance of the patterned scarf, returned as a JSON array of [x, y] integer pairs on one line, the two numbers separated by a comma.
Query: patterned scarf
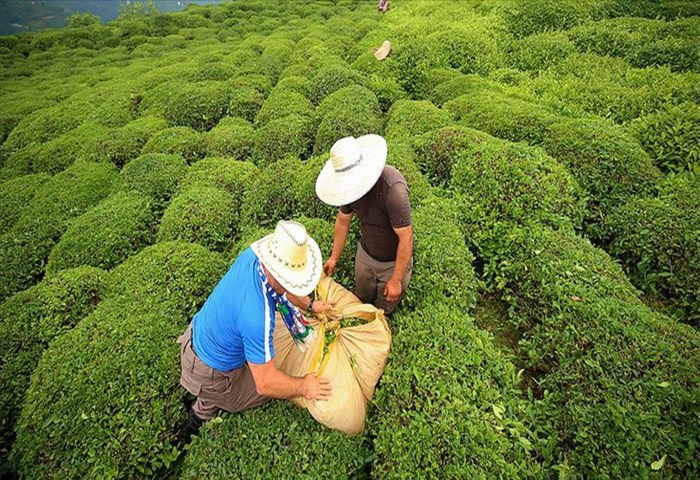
[[298, 326]]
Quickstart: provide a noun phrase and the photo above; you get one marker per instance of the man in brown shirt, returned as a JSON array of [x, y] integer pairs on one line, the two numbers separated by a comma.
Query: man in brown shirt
[[357, 179]]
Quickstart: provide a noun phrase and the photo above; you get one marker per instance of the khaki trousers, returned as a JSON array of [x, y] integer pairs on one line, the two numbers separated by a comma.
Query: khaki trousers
[[232, 391], [371, 276]]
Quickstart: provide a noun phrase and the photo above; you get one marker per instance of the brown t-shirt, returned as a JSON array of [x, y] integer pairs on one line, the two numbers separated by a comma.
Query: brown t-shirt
[[382, 209]]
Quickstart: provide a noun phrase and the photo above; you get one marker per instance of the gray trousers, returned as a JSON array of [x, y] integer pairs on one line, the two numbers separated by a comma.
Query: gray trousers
[[371, 276], [232, 391]]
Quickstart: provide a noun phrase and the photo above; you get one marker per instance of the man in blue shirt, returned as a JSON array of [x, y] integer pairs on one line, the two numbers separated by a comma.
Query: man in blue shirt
[[227, 352]]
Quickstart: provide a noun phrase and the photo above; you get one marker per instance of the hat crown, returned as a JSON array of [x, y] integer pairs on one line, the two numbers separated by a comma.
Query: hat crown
[[289, 244], [345, 153]]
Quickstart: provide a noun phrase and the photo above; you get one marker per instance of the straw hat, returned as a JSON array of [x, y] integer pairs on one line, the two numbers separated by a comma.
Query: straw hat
[[383, 51], [292, 257], [353, 169]]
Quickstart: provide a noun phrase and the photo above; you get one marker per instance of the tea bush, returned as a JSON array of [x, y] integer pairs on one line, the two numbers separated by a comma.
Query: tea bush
[[105, 235], [276, 437], [15, 194], [285, 189], [643, 42], [155, 175], [232, 176], [456, 399], [173, 276], [232, 137], [182, 141], [78, 398], [282, 103], [283, 137], [658, 241], [524, 18], [503, 181], [608, 164], [297, 84], [203, 215], [442, 269], [503, 116], [615, 378], [47, 123], [198, 105], [331, 78], [410, 117], [58, 154], [125, 143], [457, 85], [436, 152], [261, 83], [350, 111], [542, 50], [30, 320], [671, 136], [610, 87], [401, 156], [245, 102], [25, 248]]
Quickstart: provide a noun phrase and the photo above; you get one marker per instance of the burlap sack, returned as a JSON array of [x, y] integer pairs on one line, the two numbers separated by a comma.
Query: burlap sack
[[353, 358]]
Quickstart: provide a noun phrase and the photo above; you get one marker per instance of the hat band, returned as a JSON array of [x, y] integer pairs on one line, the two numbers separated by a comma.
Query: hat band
[[349, 167]]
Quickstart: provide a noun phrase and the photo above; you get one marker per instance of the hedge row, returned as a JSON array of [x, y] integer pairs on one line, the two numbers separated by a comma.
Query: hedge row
[[30, 320], [26, 247], [642, 42], [598, 360], [279, 438], [104, 400], [658, 241], [616, 381], [453, 394], [499, 180], [105, 235], [607, 162], [610, 87], [154, 175], [285, 189], [671, 136], [15, 194], [449, 404]]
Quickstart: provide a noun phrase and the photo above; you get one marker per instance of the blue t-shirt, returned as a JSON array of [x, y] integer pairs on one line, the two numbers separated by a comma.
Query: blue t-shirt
[[235, 324]]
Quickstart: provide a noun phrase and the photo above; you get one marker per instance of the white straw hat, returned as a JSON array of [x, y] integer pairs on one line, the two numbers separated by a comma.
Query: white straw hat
[[353, 169], [291, 256]]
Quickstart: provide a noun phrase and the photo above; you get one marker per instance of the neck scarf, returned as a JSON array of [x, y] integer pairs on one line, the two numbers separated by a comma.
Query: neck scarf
[[299, 328]]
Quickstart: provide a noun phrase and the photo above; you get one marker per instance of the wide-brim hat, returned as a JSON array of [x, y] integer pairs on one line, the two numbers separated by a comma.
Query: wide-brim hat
[[383, 51], [291, 256], [353, 169]]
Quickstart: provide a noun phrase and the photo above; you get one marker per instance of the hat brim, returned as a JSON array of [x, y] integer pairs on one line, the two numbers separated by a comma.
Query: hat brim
[[342, 188], [297, 282]]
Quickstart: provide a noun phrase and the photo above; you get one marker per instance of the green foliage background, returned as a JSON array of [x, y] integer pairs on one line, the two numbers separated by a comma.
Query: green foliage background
[[551, 150]]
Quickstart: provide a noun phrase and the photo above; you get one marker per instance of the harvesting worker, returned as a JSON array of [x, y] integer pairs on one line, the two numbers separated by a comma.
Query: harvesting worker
[[357, 180], [227, 356]]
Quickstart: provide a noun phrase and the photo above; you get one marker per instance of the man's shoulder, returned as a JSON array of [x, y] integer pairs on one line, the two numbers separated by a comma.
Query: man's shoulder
[[391, 176]]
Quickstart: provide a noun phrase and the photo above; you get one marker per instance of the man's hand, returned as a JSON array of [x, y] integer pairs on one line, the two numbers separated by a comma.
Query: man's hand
[[392, 290], [321, 306], [317, 388], [329, 266]]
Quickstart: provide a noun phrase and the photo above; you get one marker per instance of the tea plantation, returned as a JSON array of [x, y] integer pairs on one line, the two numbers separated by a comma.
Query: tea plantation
[[552, 151]]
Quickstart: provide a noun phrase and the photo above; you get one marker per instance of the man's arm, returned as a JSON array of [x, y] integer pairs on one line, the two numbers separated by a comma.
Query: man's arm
[[340, 235], [392, 290], [304, 302], [271, 382]]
